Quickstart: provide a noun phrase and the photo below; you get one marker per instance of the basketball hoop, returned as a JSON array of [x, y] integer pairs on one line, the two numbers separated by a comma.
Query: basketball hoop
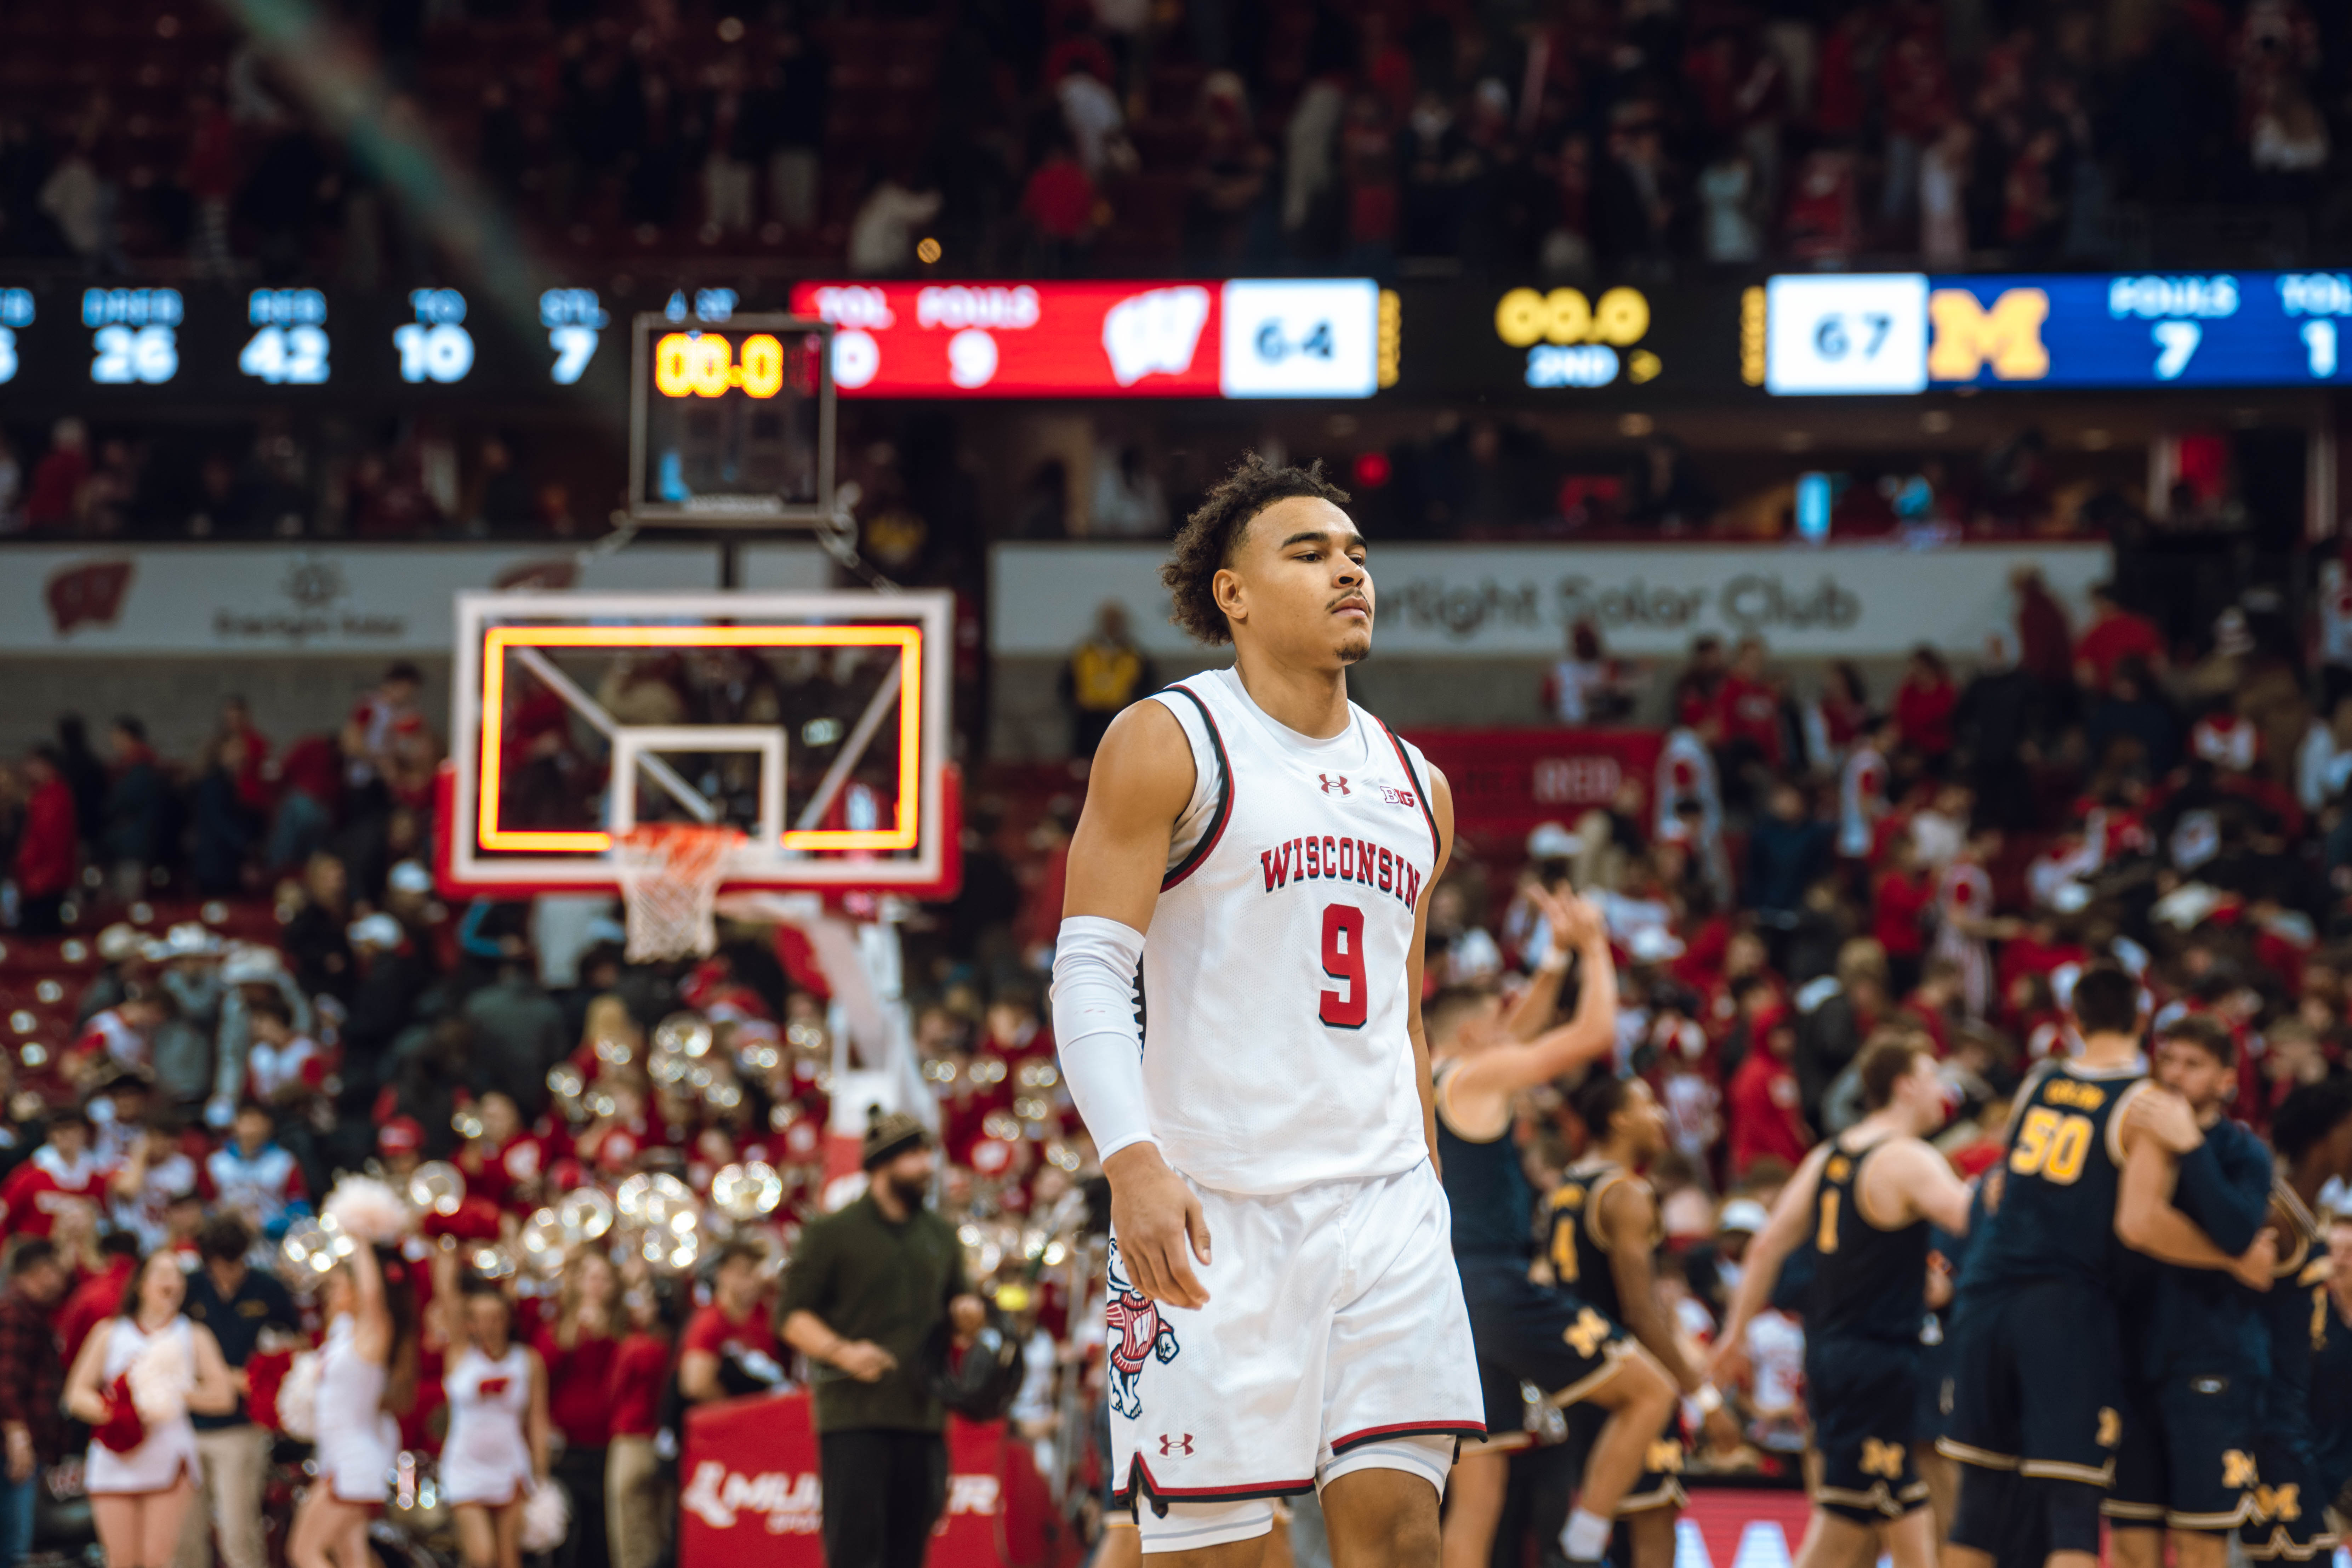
[[669, 875]]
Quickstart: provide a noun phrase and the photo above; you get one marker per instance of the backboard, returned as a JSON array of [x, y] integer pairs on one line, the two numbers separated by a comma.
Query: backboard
[[816, 724]]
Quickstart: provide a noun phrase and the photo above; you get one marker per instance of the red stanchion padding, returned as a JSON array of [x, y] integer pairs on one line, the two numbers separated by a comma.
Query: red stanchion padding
[[750, 1494]]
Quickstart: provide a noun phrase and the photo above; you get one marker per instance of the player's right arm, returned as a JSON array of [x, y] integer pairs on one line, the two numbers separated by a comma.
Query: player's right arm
[[1487, 1081], [1141, 781], [1926, 1184], [1628, 1220], [1761, 1269], [1540, 997]]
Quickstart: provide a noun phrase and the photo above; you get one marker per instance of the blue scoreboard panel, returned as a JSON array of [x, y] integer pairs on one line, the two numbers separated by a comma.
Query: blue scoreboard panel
[[1910, 332]]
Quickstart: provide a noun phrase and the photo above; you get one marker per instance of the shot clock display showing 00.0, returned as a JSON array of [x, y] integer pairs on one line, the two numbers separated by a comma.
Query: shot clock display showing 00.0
[[729, 417], [705, 365]]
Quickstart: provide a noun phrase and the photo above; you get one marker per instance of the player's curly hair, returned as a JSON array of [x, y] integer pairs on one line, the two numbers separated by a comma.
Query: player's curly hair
[[2309, 1115], [1205, 543]]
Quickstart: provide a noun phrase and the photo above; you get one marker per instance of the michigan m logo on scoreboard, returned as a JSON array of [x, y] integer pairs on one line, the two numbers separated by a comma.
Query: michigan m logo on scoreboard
[[1965, 337]]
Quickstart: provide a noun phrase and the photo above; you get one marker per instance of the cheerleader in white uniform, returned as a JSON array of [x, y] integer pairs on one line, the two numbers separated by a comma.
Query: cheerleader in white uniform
[[152, 1361], [497, 1448], [370, 1349]]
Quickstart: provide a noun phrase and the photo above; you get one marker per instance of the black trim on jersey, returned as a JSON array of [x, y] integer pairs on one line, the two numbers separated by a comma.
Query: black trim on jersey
[[1225, 814], [1421, 790], [1141, 1487], [1475, 1431]]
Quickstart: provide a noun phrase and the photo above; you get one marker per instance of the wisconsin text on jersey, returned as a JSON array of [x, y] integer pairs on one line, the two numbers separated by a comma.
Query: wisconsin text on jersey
[[1327, 857]]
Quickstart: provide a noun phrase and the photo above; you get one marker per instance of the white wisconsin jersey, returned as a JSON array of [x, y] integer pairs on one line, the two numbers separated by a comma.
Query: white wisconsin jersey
[[1276, 1050]]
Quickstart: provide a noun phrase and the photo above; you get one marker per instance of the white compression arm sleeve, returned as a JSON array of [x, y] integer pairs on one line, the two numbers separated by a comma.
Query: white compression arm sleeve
[[1095, 1028]]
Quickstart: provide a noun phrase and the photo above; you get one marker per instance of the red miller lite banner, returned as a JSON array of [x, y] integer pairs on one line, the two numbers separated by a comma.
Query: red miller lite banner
[[752, 1495]]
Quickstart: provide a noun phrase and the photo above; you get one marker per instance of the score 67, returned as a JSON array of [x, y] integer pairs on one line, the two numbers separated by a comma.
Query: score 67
[[1832, 338]]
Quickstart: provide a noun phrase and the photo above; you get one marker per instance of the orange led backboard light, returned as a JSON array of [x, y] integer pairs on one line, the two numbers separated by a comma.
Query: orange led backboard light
[[897, 694]]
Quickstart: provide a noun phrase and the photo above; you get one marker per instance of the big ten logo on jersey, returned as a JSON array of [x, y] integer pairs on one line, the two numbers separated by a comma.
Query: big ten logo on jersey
[[1330, 857]]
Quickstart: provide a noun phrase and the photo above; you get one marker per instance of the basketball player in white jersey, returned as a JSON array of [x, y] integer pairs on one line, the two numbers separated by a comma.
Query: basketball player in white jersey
[[1284, 1311]]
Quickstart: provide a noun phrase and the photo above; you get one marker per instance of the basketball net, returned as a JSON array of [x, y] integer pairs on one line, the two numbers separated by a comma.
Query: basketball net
[[669, 875]]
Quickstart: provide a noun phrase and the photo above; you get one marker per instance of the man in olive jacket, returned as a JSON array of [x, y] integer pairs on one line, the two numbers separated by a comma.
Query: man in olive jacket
[[867, 1288]]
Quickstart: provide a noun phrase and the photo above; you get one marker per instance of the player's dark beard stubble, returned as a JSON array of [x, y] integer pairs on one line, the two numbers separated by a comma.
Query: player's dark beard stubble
[[1355, 652]]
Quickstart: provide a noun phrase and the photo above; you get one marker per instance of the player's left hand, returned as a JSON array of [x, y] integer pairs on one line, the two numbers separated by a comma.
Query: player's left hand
[[1159, 1226]]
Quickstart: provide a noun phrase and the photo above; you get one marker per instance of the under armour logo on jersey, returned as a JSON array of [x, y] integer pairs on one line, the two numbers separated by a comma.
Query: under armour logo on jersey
[[1334, 784], [1168, 1445]]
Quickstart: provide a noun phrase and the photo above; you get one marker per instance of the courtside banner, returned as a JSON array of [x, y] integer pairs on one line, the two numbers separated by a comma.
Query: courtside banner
[[750, 1494], [96, 599], [1519, 600]]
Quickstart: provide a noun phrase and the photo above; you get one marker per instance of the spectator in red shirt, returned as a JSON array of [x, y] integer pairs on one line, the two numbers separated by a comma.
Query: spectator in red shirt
[[1923, 707], [1899, 905], [733, 1329], [1693, 698], [1748, 706], [2114, 636], [58, 479], [1767, 1120], [637, 1505], [1059, 203], [2045, 645], [61, 1172], [247, 752], [49, 846], [579, 1352], [100, 1297]]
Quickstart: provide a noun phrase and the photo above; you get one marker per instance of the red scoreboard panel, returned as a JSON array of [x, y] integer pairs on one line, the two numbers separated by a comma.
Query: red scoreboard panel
[[1237, 338]]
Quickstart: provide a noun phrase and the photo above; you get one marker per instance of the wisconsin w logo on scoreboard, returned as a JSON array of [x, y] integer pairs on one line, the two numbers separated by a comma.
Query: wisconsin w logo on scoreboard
[[1966, 338]]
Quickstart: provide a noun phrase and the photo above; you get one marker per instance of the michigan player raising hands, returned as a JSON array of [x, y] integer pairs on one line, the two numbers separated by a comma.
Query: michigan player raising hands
[[1284, 1301]]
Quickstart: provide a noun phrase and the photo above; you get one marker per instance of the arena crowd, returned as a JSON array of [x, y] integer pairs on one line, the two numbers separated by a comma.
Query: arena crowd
[[212, 1029]]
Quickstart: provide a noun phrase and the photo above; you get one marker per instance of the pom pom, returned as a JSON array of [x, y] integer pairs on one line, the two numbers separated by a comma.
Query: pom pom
[[367, 1209], [160, 1377], [298, 1397], [123, 1430], [546, 1517]]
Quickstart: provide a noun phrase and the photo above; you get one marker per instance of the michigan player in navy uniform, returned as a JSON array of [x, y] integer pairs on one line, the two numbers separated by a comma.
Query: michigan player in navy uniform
[[2331, 1366], [1526, 1332], [1605, 1234], [2186, 1461], [2038, 1385], [2312, 1130], [1865, 1199]]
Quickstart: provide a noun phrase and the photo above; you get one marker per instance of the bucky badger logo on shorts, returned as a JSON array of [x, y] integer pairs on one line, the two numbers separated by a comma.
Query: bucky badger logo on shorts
[[1137, 1334]]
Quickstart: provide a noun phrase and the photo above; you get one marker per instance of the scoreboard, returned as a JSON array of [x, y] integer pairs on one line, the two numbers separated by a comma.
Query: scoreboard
[[287, 345], [1909, 332]]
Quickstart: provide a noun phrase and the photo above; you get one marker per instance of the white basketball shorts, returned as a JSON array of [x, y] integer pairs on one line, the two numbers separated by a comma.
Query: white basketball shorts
[[1335, 1325]]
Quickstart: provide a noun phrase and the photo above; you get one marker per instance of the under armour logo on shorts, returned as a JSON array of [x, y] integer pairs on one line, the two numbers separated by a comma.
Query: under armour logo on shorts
[[1168, 1445], [1334, 784]]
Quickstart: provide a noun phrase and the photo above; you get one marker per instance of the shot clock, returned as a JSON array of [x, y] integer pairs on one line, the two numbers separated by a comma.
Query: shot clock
[[729, 420]]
